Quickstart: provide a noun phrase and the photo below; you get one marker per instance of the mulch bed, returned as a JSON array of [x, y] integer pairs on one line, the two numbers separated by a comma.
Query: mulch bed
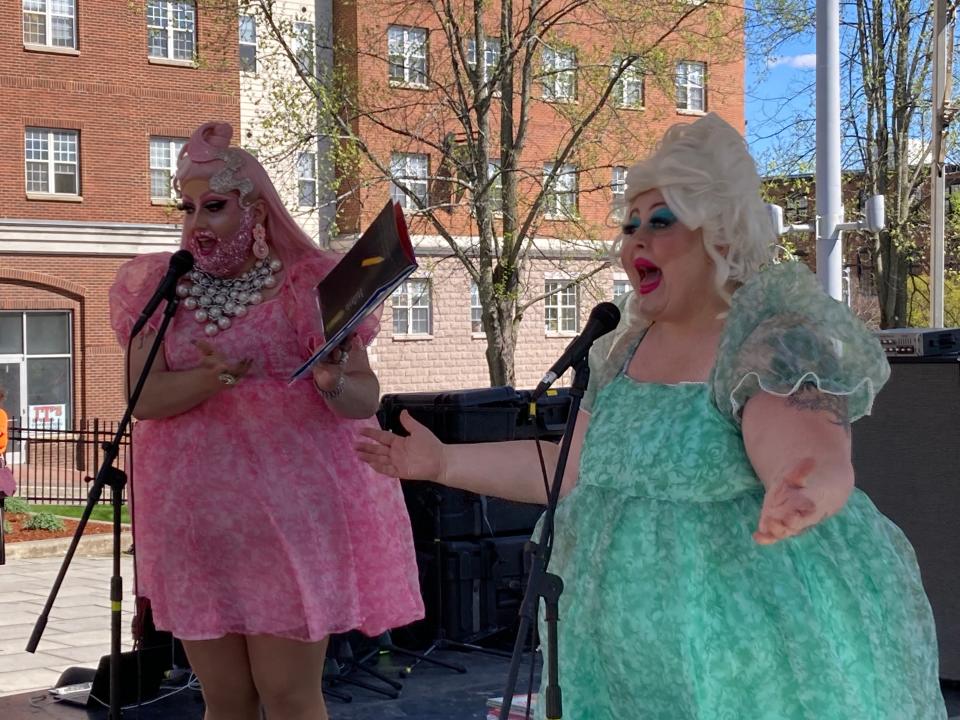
[[17, 521]]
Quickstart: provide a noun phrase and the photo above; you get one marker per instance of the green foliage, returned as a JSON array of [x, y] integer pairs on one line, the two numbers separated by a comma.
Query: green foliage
[[918, 300], [7, 527], [44, 521], [100, 512], [16, 505]]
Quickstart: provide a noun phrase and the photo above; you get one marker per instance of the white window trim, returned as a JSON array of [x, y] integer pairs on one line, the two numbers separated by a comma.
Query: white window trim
[[556, 72], [632, 74], [687, 110], [406, 81], [491, 45], [476, 333], [563, 279], [301, 179], [171, 143], [551, 210], [409, 335], [48, 31], [51, 194], [300, 29], [405, 201], [620, 277], [169, 59], [255, 44]]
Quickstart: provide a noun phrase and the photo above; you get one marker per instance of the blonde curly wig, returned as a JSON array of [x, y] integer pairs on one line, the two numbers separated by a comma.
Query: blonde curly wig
[[710, 181]]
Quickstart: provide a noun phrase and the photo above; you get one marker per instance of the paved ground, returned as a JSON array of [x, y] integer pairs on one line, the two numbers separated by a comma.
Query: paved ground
[[78, 632]]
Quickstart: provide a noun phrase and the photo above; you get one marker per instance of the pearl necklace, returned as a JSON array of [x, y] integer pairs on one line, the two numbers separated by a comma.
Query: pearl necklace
[[215, 300]]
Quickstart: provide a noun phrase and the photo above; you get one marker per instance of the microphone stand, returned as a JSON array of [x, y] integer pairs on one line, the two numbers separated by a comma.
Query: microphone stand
[[542, 584], [116, 479]]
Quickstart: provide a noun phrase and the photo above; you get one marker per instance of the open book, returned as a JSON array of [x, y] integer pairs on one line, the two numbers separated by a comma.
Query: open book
[[372, 269]]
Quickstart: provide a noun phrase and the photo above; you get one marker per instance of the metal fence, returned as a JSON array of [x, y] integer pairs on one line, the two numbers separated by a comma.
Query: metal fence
[[56, 466]]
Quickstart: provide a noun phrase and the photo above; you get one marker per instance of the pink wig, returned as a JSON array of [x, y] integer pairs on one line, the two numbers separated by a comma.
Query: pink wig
[[208, 155]]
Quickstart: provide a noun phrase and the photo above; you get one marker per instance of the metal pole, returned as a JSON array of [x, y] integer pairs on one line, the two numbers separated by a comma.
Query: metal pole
[[829, 202], [937, 157], [326, 194]]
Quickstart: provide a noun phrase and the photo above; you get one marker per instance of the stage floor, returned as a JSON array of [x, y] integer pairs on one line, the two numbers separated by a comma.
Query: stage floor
[[429, 693]]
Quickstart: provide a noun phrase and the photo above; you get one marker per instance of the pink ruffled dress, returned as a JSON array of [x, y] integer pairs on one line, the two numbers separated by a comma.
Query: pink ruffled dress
[[253, 514]]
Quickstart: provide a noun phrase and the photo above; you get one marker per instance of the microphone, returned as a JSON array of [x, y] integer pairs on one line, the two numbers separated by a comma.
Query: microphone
[[180, 264], [603, 318]]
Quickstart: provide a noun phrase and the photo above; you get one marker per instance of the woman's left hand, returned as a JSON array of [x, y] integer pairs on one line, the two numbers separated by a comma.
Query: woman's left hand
[[327, 373], [800, 500]]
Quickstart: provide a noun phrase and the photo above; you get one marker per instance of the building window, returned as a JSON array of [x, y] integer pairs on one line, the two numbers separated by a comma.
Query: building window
[[411, 308], [691, 93], [628, 92], [407, 55], [307, 179], [164, 153], [795, 212], [561, 200], [36, 360], [50, 22], [559, 75], [491, 57], [495, 191], [476, 310], [621, 286], [171, 29], [618, 184], [561, 307], [304, 47], [53, 161], [248, 43], [411, 170]]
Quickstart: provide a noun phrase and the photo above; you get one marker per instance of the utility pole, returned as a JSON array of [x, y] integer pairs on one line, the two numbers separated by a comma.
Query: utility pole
[[829, 202], [942, 41]]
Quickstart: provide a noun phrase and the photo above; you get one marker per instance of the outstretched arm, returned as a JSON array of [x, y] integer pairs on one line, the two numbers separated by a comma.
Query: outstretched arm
[[799, 447], [509, 470]]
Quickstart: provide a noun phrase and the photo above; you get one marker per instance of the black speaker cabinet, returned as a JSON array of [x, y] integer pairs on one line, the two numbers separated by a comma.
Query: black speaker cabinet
[[907, 459]]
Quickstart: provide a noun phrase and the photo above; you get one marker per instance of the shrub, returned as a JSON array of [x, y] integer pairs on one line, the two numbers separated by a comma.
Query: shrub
[[16, 505], [43, 521]]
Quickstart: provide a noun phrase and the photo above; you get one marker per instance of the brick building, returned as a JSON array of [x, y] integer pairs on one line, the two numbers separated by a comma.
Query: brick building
[[96, 96], [98, 101]]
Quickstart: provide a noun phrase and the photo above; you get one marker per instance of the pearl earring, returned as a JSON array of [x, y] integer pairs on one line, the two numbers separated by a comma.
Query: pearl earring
[[260, 249]]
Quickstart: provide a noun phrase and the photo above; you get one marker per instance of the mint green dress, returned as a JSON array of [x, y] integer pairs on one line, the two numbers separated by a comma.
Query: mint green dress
[[670, 610]]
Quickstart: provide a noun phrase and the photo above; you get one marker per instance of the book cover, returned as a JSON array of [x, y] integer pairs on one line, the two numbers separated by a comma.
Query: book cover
[[365, 276]]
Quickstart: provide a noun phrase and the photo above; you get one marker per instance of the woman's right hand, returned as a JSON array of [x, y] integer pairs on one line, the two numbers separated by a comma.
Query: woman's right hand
[[219, 364], [419, 456]]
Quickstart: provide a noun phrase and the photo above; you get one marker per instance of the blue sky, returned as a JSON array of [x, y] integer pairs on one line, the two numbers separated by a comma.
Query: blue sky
[[777, 90]]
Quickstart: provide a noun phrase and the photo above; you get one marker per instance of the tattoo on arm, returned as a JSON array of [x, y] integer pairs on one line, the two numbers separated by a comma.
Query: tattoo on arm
[[810, 398]]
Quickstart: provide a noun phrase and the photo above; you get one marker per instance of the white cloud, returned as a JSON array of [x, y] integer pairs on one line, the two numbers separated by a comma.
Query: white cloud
[[807, 61]]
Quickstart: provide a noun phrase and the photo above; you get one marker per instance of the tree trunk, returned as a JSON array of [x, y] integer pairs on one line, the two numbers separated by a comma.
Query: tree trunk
[[501, 341]]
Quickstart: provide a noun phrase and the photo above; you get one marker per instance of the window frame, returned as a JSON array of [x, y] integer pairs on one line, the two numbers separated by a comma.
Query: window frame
[[410, 74], [305, 47], [48, 16], [686, 87], [51, 162], [554, 209], [403, 290], [248, 63], [552, 300], [476, 310], [305, 180], [557, 74], [171, 33], [396, 193], [630, 76], [173, 146]]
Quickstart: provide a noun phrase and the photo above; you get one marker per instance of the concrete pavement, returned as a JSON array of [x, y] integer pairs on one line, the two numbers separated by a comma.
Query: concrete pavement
[[78, 631]]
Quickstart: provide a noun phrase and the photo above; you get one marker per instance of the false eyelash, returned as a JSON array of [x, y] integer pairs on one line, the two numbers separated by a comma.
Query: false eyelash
[[630, 228]]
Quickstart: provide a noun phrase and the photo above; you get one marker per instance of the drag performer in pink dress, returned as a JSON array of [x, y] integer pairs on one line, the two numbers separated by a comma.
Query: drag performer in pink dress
[[258, 531]]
